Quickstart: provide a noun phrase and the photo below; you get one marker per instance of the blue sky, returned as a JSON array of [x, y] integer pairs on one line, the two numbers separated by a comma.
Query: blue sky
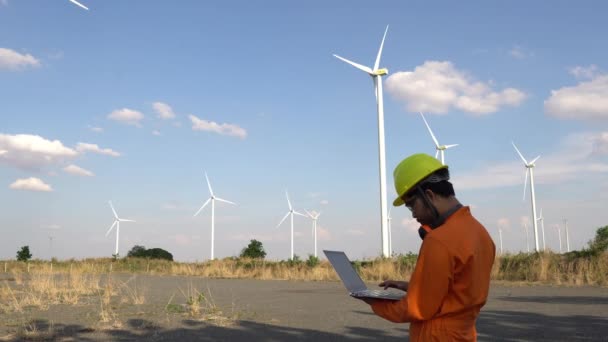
[[132, 101]]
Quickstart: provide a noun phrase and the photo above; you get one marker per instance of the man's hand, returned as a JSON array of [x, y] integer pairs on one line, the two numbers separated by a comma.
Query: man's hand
[[399, 285]]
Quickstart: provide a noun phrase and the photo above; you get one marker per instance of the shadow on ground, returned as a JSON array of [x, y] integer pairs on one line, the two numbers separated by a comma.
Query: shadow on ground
[[578, 300], [491, 326]]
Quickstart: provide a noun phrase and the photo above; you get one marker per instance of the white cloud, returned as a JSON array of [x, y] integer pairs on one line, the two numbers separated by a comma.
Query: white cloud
[[600, 144], [587, 100], [572, 159], [519, 52], [4, 2], [524, 221], [156, 132], [32, 151], [355, 232], [127, 116], [223, 129], [94, 148], [164, 110], [410, 224], [30, 184], [78, 171], [181, 239], [324, 202], [503, 223], [95, 129], [323, 234], [436, 87], [581, 72], [14, 61]]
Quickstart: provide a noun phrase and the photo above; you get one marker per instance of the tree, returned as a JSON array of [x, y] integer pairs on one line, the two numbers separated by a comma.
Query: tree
[[600, 242], [254, 250], [152, 253], [24, 254], [137, 252]]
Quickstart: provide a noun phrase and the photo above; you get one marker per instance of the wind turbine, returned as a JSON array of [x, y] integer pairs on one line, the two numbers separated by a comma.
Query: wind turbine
[[116, 223], [212, 199], [542, 228], [567, 236], [79, 4], [530, 170], [314, 216], [290, 213], [376, 73], [440, 148]]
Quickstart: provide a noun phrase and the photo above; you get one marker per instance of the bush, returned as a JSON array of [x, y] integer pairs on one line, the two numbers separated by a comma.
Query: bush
[[254, 250], [24, 254], [152, 253], [312, 261]]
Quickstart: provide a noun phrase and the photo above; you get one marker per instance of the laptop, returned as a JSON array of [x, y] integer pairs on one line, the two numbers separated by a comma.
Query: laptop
[[353, 283]]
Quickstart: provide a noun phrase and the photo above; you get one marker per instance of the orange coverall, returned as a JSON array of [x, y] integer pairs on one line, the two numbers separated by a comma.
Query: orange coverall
[[450, 282]]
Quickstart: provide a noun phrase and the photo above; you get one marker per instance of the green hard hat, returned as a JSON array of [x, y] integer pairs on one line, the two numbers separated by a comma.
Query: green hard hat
[[411, 171]]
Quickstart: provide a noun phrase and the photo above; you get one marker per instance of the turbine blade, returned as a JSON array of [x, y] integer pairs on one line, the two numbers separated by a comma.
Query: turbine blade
[[430, 131], [309, 214], [288, 202], [283, 219], [450, 146], [526, 183], [223, 200], [125, 220], [209, 184], [114, 211], [377, 64], [111, 227], [204, 205], [358, 66], [522, 157], [79, 4], [297, 213], [534, 160], [436, 154]]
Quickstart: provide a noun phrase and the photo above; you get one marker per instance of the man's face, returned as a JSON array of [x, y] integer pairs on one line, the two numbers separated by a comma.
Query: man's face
[[415, 203]]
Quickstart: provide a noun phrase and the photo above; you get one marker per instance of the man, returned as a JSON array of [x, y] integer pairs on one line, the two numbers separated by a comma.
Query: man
[[451, 279]]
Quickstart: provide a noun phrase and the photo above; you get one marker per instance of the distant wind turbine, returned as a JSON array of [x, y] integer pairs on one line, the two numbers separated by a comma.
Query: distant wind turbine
[[212, 199], [559, 235], [530, 170], [116, 223], [290, 213], [79, 4], [500, 236], [542, 228], [440, 148], [567, 236], [376, 73], [314, 216]]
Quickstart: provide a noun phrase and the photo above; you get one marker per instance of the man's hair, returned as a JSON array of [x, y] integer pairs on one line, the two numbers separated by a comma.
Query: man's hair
[[438, 182]]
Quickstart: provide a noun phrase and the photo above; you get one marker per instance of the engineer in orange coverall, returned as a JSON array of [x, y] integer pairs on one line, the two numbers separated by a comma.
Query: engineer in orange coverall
[[451, 279]]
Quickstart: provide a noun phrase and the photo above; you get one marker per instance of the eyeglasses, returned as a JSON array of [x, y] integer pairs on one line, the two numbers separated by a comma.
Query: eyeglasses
[[411, 203]]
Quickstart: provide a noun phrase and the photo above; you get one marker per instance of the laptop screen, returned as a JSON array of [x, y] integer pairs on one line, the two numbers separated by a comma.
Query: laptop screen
[[346, 271]]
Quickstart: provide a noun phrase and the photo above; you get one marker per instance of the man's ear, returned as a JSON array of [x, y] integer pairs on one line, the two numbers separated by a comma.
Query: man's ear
[[430, 195]]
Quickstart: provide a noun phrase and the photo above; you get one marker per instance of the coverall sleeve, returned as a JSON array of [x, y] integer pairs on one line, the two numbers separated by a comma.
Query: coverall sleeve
[[427, 288]]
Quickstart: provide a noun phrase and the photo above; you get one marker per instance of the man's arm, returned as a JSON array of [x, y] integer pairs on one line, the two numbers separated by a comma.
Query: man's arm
[[427, 288]]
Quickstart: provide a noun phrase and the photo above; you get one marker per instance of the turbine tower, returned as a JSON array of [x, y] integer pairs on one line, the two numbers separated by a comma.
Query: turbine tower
[[530, 170], [212, 199], [314, 216], [500, 235], [376, 73], [542, 228], [390, 233], [567, 236], [79, 4], [440, 148], [290, 213], [559, 235], [116, 223]]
